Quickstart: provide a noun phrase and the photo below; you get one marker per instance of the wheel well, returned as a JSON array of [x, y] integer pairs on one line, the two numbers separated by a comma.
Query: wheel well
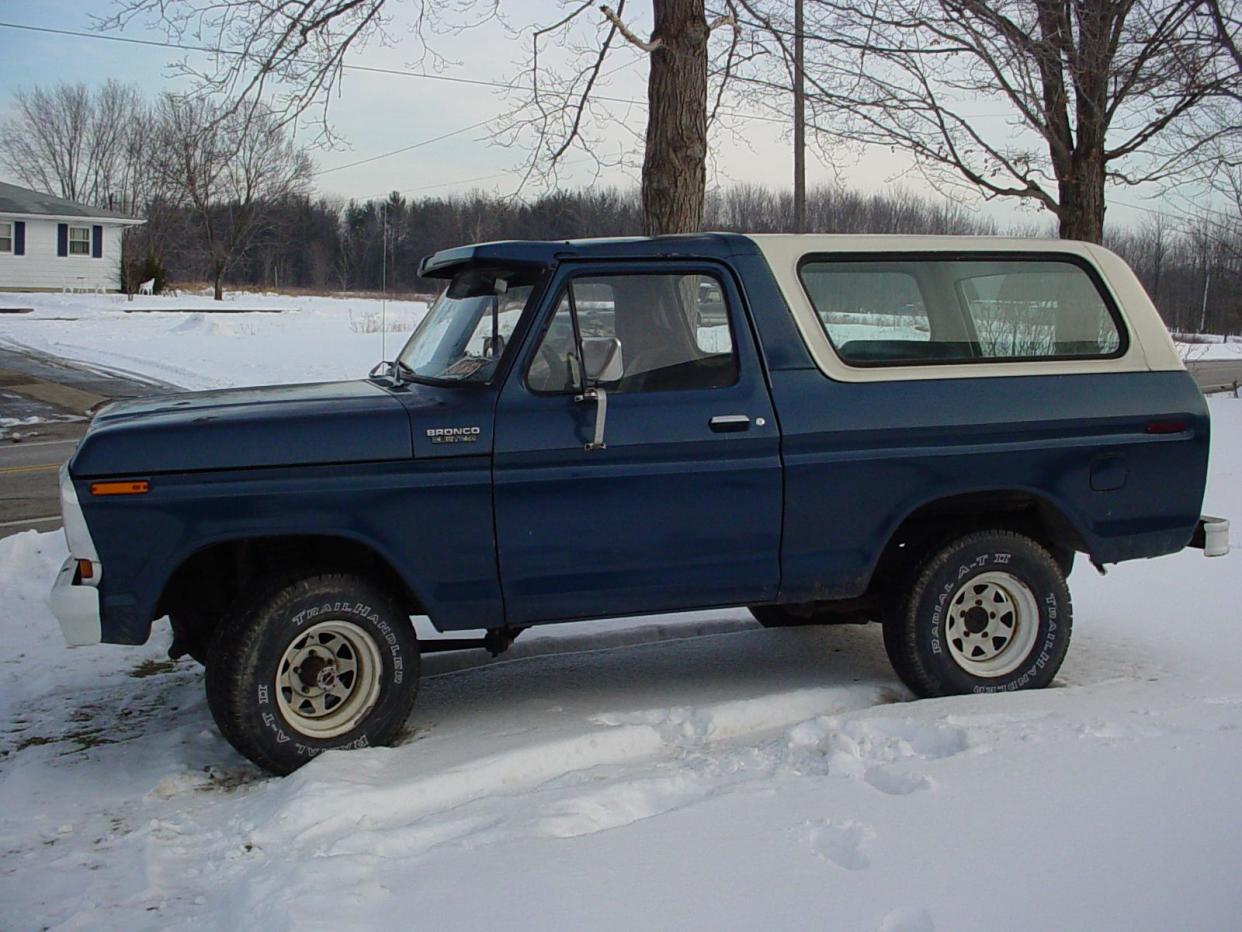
[[1012, 510], [206, 583]]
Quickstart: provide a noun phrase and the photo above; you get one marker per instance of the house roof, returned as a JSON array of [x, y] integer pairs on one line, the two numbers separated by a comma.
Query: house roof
[[27, 203]]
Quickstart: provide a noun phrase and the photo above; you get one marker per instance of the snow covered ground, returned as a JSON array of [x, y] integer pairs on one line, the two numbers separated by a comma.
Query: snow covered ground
[[285, 338], [690, 772], [1209, 346]]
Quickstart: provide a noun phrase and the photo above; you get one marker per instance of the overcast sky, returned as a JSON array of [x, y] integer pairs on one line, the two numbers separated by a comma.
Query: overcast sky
[[375, 113]]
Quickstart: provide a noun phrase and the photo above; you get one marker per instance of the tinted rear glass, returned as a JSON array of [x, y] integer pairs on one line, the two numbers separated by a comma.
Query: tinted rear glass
[[896, 311]]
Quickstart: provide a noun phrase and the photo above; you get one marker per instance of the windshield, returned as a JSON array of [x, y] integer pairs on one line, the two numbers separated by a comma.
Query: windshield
[[466, 331]]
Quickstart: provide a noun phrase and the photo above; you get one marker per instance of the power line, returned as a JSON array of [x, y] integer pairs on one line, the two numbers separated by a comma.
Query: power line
[[412, 146], [1188, 220], [212, 50], [368, 69], [450, 79]]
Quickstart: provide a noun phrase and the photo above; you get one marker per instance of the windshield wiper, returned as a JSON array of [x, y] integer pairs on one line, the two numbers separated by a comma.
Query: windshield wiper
[[396, 370], [402, 372], [382, 370]]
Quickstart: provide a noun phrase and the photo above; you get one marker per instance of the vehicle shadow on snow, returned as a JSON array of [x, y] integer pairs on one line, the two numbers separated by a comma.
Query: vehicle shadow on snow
[[635, 669]]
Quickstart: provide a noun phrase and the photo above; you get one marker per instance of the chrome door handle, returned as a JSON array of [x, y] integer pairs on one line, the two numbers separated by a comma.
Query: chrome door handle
[[725, 423]]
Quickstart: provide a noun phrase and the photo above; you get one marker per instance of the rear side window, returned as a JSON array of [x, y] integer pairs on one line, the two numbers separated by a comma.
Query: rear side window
[[886, 311]]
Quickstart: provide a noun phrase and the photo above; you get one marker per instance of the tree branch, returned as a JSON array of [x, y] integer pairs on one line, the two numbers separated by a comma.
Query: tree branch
[[627, 34]]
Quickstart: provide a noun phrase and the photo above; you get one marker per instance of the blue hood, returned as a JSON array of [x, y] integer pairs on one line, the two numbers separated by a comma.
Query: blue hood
[[282, 425]]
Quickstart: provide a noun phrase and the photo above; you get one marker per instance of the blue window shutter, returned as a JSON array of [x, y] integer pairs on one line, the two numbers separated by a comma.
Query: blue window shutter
[[62, 239], [96, 241], [19, 237]]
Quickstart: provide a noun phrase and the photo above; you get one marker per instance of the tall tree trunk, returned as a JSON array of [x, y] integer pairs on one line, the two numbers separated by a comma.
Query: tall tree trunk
[[218, 291], [1082, 198], [675, 163]]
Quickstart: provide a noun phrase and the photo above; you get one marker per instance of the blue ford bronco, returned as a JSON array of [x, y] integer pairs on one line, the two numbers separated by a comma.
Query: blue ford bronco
[[920, 431]]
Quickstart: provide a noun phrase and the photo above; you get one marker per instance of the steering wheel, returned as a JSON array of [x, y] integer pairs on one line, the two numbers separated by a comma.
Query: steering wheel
[[555, 364]]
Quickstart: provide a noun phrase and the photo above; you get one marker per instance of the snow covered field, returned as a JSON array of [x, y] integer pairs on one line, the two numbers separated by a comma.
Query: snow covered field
[[1218, 347], [692, 772], [311, 339]]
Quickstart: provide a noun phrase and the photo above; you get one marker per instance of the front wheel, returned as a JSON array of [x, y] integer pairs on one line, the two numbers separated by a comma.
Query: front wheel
[[326, 662], [988, 612]]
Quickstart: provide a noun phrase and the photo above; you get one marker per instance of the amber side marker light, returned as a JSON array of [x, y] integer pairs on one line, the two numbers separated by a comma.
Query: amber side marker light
[[141, 487], [86, 569]]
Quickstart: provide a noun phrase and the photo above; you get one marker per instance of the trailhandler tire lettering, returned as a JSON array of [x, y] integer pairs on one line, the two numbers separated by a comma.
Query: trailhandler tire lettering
[[987, 612], [299, 669]]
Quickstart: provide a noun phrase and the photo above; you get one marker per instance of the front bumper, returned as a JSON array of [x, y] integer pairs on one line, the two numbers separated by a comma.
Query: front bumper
[[1211, 536], [75, 602], [76, 607]]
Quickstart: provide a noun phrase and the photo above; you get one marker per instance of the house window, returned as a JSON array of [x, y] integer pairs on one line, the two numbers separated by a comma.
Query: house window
[[79, 241], [6, 237]]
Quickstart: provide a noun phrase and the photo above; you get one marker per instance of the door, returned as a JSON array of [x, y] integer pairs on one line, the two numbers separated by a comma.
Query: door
[[680, 506]]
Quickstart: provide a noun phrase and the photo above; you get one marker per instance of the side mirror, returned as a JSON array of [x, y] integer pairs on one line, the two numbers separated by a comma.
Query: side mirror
[[602, 359]]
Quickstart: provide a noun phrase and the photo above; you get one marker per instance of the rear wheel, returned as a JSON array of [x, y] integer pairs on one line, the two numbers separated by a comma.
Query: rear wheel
[[987, 612], [325, 662]]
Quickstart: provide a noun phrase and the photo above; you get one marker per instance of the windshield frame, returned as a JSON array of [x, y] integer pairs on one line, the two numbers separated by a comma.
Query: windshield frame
[[517, 276]]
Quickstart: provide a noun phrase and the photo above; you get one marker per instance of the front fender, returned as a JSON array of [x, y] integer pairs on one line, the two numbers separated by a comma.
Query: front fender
[[431, 521]]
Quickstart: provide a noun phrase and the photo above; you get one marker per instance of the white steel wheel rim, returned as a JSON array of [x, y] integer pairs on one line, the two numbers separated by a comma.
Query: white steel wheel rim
[[328, 679], [992, 624]]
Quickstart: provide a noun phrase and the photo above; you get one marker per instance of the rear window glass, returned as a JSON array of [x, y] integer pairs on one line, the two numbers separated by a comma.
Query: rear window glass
[[885, 311]]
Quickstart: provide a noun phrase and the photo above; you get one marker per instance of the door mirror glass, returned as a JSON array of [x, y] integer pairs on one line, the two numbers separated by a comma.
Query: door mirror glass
[[603, 359]]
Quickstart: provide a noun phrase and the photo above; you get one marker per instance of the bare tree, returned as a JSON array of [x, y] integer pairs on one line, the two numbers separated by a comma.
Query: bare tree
[[228, 168], [1226, 24], [559, 106], [292, 55], [1042, 100], [80, 144]]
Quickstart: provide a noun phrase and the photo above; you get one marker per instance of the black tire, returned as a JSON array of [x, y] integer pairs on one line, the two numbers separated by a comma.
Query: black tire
[[324, 619], [947, 634]]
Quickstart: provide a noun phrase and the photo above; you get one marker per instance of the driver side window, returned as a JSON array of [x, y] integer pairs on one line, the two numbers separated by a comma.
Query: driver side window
[[552, 371], [640, 333]]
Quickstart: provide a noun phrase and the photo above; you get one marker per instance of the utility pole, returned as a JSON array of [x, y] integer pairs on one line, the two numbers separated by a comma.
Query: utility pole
[[799, 90], [384, 288], [1207, 283]]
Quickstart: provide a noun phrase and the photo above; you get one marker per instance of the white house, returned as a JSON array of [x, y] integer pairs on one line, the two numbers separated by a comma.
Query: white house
[[51, 244]]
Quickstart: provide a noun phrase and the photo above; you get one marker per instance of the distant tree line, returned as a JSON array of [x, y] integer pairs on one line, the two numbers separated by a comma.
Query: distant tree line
[[329, 245], [227, 199]]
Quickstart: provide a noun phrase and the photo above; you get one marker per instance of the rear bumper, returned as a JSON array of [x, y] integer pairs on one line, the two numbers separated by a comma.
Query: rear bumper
[[1211, 536], [75, 607]]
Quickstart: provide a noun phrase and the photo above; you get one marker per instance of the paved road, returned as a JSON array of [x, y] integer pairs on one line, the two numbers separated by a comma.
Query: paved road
[[1216, 375], [60, 396]]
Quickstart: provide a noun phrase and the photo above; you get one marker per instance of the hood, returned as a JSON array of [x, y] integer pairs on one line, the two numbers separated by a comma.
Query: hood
[[282, 425]]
